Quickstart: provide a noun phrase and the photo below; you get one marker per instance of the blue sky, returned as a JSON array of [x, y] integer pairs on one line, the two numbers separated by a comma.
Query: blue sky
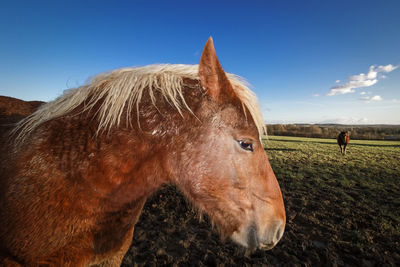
[[304, 59]]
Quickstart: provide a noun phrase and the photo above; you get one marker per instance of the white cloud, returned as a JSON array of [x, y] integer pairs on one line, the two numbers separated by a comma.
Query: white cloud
[[339, 90], [350, 86], [387, 68], [363, 93], [315, 95], [360, 77], [337, 81], [361, 80], [368, 99], [376, 98]]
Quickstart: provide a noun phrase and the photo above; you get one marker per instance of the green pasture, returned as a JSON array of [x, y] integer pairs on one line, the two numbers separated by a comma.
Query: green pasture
[[371, 164], [350, 203]]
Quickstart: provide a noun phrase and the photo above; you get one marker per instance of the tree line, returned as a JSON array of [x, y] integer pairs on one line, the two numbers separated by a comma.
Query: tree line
[[364, 132]]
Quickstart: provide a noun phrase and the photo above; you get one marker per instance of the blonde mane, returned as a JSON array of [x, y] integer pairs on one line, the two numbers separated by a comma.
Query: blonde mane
[[124, 88]]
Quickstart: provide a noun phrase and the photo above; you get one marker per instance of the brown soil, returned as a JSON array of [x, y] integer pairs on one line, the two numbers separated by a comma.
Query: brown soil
[[170, 233]]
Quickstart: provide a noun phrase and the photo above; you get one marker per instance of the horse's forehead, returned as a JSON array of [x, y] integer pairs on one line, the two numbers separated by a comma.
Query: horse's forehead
[[232, 116], [228, 114]]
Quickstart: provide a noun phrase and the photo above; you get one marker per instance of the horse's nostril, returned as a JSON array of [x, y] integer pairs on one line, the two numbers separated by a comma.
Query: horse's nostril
[[273, 236]]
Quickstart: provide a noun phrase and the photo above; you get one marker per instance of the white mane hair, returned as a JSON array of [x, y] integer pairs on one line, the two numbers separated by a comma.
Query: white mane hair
[[125, 87]]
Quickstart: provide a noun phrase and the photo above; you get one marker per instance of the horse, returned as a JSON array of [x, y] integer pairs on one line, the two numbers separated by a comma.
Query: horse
[[343, 140], [76, 173]]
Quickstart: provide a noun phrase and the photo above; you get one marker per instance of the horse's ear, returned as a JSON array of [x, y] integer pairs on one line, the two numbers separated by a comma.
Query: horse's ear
[[212, 76]]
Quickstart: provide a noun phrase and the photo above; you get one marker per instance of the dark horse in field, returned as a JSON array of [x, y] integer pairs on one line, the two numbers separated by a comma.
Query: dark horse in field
[[75, 174], [343, 140]]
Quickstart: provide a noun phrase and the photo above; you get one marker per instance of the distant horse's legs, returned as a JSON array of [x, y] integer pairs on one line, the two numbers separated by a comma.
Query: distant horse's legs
[[344, 149]]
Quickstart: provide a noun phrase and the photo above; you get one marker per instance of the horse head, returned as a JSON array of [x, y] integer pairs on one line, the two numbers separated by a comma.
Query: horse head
[[222, 167]]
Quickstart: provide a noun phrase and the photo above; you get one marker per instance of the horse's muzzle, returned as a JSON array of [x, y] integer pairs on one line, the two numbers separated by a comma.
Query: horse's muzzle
[[266, 240]]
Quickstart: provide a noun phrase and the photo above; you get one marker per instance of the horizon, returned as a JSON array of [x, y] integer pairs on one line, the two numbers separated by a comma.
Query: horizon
[[308, 62]]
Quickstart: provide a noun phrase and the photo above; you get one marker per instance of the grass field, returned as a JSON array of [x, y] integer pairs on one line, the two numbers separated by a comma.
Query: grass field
[[346, 206]]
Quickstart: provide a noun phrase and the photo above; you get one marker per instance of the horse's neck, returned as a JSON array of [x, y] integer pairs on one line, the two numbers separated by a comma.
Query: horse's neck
[[112, 166], [126, 170]]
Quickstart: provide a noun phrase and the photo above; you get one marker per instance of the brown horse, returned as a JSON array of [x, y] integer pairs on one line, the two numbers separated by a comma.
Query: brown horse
[[74, 175], [343, 140]]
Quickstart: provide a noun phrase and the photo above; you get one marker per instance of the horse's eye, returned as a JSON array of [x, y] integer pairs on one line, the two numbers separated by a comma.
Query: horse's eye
[[246, 146]]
